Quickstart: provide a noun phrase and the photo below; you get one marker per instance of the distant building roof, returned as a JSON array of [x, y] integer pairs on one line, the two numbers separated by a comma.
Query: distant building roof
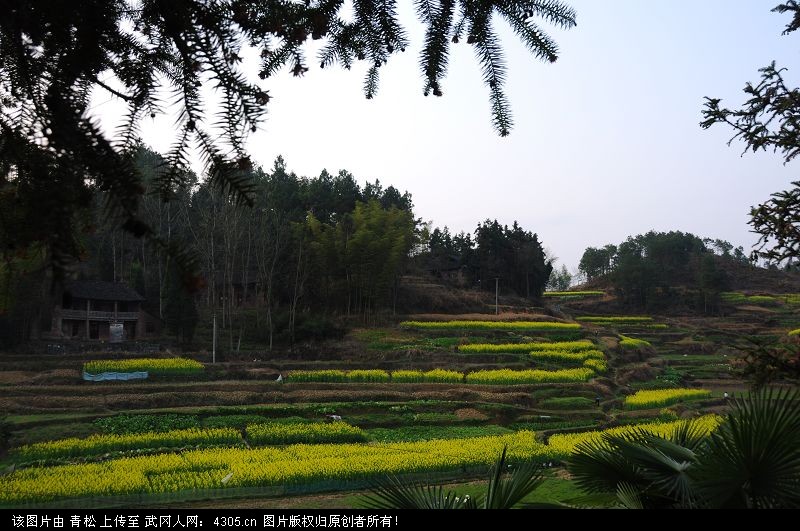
[[102, 290]]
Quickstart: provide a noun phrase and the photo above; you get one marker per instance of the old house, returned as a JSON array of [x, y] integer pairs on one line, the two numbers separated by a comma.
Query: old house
[[96, 309]]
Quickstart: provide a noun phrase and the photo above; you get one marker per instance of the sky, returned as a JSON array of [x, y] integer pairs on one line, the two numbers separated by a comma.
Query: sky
[[606, 142]]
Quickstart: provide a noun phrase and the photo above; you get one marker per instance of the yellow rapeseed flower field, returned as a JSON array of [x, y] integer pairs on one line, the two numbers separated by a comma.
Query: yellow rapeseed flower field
[[562, 445], [100, 444], [304, 432], [300, 463], [662, 397], [531, 326], [510, 377], [557, 346], [432, 376], [151, 365]]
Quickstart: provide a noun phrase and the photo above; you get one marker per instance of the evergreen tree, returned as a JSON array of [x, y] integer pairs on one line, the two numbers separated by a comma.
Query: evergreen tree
[[645, 269], [55, 53], [769, 121], [513, 255]]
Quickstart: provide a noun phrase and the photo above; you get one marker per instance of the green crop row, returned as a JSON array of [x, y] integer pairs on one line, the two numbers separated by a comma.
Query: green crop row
[[560, 356], [223, 468], [791, 298], [527, 326], [98, 444], [740, 298], [154, 366], [597, 365], [306, 433], [575, 294], [564, 346], [663, 397], [496, 376], [632, 343], [330, 375], [530, 376], [432, 376]]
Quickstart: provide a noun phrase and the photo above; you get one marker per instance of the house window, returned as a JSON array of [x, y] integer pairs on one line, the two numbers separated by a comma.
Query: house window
[[94, 330]]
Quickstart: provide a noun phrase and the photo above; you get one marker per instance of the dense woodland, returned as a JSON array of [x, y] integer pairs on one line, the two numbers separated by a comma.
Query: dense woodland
[[660, 269], [308, 251]]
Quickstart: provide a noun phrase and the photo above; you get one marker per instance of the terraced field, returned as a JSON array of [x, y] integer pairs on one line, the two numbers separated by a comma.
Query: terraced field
[[453, 392]]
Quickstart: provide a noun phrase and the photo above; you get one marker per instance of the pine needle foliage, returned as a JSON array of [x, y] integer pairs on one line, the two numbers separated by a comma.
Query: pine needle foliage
[[156, 56]]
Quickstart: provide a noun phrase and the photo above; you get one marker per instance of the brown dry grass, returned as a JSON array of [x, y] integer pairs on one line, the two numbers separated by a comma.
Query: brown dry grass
[[57, 376], [689, 345], [16, 377], [756, 309], [470, 414], [638, 372]]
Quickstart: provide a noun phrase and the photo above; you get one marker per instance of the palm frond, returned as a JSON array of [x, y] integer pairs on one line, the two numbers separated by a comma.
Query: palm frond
[[394, 493], [598, 468], [502, 491], [505, 493], [628, 496], [752, 459]]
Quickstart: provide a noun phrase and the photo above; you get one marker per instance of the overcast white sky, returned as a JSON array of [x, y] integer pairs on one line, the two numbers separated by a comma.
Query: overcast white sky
[[606, 142]]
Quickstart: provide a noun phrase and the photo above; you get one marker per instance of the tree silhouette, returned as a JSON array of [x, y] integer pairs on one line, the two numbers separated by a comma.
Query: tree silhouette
[[769, 119], [158, 55]]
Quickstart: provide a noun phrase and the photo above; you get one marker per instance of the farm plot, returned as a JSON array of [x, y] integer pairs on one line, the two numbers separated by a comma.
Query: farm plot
[[520, 326], [213, 469], [646, 399], [154, 366], [487, 376]]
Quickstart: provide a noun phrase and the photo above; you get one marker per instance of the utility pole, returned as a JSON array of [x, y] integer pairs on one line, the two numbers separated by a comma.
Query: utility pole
[[214, 341], [496, 292]]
